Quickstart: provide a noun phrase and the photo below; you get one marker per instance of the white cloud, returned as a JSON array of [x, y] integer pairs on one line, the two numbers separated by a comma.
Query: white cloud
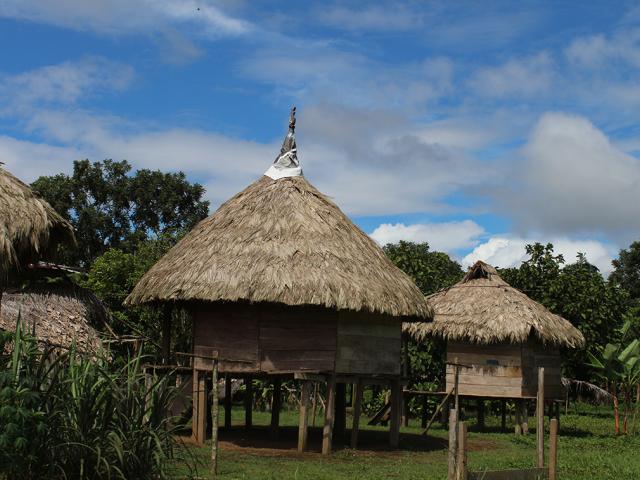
[[392, 16], [521, 77], [596, 51], [573, 180], [126, 16], [507, 251], [444, 236]]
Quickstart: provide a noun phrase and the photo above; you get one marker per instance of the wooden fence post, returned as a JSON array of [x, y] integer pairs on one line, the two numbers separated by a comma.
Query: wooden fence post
[[461, 466], [453, 443], [540, 418], [214, 417], [553, 450]]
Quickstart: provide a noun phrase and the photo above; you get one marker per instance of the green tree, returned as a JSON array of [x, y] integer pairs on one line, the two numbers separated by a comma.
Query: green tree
[[626, 271], [110, 207]]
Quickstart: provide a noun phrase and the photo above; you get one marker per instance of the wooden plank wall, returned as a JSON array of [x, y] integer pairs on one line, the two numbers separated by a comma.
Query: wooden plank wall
[[368, 344], [496, 369], [534, 355]]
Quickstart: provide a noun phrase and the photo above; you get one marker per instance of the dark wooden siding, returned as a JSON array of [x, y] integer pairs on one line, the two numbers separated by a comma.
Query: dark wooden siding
[[534, 355]]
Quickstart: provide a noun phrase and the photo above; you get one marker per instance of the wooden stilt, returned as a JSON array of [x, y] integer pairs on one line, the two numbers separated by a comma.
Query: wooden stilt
[[199, 416], [248, 403], [329, 413], [227, 401], [396, 405], [480, 412], [314, 404], [214, 417], [503, 415], [518, 427], [540, 418], [425, 411], [303, 427], [274, 432], [553, 449], [453, 443], [340, 423], [461, 464], [357, 407], [525, 417]]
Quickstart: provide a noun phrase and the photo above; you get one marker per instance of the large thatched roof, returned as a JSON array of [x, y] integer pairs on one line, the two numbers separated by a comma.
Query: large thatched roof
[[59, 314], [29, 226], [281, 240], [483, 308]]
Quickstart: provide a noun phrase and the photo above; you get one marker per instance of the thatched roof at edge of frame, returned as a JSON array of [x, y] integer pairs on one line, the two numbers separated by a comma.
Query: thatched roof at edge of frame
[[282, 241], [61, 315], [29, 226], [482, 308]]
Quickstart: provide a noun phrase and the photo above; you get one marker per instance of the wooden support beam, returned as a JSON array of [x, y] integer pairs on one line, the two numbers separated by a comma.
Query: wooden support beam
[[480, 413], [314, 404], [425, 411], [329, 414], [340, 423], [518, 415], [503, 415], [453, 444], [461, 464], [248, 402], [214, 417], [227, 401], [394, 421], [303, 426], [276, 402], [525, 417], [357, 408], [540, 418], [199, 398], [553, 449]]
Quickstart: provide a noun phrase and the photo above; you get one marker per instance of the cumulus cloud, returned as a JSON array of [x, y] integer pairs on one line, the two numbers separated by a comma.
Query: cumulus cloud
[[126, 16], [507, 251], [443, 236], [573, 180]]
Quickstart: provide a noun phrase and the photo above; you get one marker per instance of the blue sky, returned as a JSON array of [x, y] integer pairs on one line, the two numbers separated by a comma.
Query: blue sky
[[476, 126]]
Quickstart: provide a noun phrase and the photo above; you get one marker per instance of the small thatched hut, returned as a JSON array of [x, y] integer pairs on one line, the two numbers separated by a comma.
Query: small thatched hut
[[57, 315], [280, 282], [499, 332], [29, 226]]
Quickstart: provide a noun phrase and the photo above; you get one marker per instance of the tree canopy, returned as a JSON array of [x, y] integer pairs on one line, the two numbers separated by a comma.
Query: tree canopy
[[111, 207]]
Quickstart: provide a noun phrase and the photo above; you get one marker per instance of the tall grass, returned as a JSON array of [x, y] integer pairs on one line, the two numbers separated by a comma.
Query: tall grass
[[63, 416]]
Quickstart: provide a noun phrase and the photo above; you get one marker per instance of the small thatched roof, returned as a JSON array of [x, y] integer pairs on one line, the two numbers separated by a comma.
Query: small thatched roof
[[60, 315], [281, 240], [483, 308], [29, 226]]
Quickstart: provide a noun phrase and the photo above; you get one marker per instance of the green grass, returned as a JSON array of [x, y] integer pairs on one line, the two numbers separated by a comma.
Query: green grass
[[588, 449]]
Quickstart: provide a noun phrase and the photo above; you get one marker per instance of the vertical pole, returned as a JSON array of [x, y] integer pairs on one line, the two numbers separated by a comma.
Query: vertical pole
[[503, 414], [456, 378], [227, 401], [357, 407], [275, 408], [453, 443], [461, 467], [540, 418], [248, 403], [303, 427], [553, 449], [525, 417], [518, 427], [396, 405], [340, 422], [481, 414], [199, 406], [214, 418], [425, 411], [314, 404], [327, 431]]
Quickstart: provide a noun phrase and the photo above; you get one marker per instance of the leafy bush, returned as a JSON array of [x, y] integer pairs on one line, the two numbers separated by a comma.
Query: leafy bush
[[65, 416]]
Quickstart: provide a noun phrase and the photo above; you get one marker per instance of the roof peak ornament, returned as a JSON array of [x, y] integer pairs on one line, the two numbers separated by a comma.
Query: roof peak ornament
[[287, 164]]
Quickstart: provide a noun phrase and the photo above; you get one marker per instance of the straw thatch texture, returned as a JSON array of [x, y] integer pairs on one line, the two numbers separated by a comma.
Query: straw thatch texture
[[482, 308], [60, 315], [282, 241], [29, 226]]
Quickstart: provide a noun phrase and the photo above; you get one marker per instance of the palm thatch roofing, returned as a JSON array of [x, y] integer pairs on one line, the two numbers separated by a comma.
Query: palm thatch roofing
[[29, 226], [59, 315], [281, 240], [482, 308]]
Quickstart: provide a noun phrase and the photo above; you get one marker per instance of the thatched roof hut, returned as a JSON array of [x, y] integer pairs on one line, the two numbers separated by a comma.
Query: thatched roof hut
[[502, 335], [482, 308], [280, 282], [29, 226], [59, 315]]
